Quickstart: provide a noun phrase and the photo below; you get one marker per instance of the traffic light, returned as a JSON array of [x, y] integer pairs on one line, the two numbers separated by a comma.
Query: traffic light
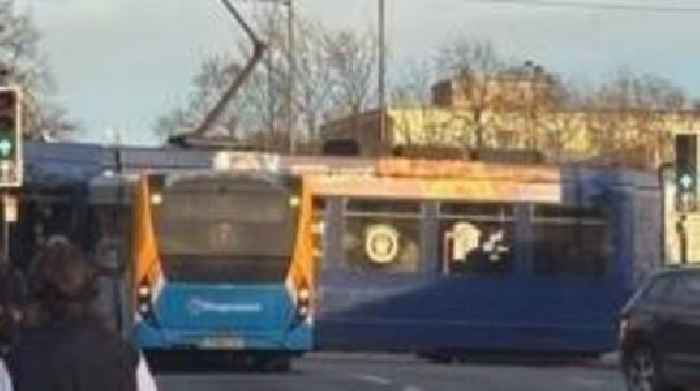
[[10, 137], [686, 149]]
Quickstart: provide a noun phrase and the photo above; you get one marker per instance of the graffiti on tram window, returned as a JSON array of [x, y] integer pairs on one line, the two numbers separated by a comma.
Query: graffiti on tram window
[[476, 247], [476, 238], [389, 245], [382, 243]]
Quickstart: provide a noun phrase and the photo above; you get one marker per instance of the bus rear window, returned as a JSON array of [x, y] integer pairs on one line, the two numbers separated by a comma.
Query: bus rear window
[[251, 223], [225, 230]]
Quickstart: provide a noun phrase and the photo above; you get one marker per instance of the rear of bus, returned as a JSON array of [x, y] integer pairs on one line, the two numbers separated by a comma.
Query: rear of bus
[[222, 263]]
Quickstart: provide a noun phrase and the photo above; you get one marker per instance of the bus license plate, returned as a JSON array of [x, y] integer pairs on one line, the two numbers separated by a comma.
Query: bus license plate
[[222, 343]]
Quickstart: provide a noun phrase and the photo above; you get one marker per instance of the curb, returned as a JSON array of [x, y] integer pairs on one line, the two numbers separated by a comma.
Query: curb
[[607, 361]]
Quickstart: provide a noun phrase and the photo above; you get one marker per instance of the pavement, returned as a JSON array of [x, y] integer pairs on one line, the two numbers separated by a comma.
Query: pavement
[[388, 372]]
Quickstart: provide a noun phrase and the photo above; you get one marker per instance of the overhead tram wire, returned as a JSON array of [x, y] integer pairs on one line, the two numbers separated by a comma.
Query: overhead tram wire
[[623, 7]]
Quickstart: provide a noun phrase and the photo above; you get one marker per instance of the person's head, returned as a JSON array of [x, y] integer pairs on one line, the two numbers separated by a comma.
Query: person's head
[[63, 283]]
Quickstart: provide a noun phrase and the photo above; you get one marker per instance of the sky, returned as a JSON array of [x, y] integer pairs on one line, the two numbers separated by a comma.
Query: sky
[[119, 64]]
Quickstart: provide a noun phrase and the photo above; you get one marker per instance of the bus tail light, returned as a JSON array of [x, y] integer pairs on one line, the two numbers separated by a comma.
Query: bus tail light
[[304, 302], [144, 303]]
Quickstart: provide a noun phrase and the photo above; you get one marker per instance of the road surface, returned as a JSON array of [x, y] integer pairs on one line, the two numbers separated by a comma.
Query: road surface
[[336, 372]]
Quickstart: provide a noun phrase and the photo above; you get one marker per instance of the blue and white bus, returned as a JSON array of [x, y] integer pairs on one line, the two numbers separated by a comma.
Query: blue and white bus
[[223, 262]]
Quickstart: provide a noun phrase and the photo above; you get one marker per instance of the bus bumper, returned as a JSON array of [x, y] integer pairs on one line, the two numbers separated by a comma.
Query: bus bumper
[[150, 337]]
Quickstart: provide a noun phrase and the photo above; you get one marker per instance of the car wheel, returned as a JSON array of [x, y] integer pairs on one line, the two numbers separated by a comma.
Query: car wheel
[[642, 372]]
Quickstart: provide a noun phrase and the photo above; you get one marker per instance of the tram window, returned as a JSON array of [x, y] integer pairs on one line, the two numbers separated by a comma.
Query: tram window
[[319, 205], [382, 244], [569, 240], [567, 212], [383, 206], [476, 238], [477, 209]]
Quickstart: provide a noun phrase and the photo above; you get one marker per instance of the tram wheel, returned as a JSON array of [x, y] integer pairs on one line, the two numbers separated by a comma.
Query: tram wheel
[[272, 363], [279, 364]]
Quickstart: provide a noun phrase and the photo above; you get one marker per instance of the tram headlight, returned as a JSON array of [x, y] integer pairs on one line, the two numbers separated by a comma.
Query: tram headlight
[[318, 229], [294, 201], [156, 198]]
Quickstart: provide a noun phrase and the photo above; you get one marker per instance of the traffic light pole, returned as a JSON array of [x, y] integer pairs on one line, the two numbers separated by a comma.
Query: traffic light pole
[[683, 236], [5, 229], [11, 161]]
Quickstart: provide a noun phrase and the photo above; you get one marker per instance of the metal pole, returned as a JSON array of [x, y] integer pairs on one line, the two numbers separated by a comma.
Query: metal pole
[[683, 239], [382, 65], [120, 300], [258, 49], [270, 93], [5, 231], [291, 70]]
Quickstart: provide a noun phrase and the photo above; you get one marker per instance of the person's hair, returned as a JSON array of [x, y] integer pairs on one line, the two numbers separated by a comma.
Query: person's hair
[[63, 284]]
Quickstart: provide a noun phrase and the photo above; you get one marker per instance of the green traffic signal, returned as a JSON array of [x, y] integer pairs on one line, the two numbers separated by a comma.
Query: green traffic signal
[[7, 139], [685, 181], [686, 150], [10, 137]]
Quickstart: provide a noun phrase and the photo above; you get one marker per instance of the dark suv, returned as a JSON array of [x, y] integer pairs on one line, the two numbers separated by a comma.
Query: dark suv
[[660, 333]]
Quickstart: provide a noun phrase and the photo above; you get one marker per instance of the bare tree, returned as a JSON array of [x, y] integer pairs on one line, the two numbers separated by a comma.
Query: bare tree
[[313, 88], [633, 113], [475, 71], [412, 114], [411, 88], [22, 64], [258, 108], [332, 71], [214, 75], [351, 58], [562, 126]]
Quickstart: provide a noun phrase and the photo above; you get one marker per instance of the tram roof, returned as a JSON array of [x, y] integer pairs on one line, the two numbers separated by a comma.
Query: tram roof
[[56, 163], [421, 168]]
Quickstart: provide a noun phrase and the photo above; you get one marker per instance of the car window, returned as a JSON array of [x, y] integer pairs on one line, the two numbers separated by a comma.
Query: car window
[[687, 290], [659, 290]]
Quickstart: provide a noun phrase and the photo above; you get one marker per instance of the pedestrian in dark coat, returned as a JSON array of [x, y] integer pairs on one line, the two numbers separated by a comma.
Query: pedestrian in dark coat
[[65, 346]]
